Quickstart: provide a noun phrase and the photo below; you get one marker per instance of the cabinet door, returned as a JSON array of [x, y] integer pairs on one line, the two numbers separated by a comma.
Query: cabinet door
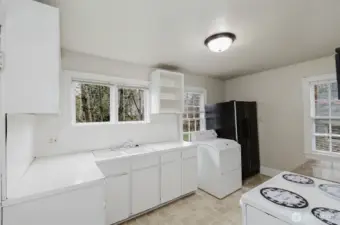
[[117, 198], [189, 175], [83, 206], [145, 189], [171, 182], [32, 57]]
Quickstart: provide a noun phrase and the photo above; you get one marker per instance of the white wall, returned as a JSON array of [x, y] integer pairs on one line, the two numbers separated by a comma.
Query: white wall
[[280, 109], [77, 138], [20, 146], [93, 64]]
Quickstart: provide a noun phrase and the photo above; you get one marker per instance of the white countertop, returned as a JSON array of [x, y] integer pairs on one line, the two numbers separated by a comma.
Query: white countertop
[[102, 156], [170, 145], [47, 176], [51, 175]]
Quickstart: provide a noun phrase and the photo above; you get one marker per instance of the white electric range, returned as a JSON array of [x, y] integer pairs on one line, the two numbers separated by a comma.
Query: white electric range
[[290, 198]]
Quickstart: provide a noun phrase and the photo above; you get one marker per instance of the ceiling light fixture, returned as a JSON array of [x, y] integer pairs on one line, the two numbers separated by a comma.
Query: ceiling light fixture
[[220, 42]]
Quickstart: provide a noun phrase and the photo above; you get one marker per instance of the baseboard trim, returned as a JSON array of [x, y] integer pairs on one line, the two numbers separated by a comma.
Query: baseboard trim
[[269, 171]]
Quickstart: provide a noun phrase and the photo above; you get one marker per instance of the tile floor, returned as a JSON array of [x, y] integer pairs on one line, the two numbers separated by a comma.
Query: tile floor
[[200, 209]]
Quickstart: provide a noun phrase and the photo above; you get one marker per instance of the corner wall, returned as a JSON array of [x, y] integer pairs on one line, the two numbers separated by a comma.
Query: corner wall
[[278, 93], [20, 146]]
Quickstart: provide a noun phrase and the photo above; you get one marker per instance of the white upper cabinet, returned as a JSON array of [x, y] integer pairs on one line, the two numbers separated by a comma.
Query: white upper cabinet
[[31, 57], [167, 91], [2, 13]]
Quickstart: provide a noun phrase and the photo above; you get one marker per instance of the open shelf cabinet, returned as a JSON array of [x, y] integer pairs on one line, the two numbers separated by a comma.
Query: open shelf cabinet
[[167, 90]]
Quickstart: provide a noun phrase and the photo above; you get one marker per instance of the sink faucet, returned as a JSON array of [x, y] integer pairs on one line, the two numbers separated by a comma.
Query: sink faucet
[[127, 144]]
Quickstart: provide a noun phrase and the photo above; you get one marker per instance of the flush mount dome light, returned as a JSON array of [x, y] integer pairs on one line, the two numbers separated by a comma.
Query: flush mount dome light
[[220, 42]]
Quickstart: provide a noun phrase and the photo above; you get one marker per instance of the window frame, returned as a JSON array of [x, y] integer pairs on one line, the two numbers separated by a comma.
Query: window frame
[[114, 83], [203, 101], [309, 118]]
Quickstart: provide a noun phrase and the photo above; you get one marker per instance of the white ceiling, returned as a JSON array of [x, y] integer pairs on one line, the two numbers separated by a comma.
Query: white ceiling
[[270, 33]]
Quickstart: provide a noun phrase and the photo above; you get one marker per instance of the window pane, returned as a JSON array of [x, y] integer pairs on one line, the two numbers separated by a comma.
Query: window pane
[[322, 108], [335, 127], [193, 119], [186, 137], [198, 125], [336, 144], [321, 100], [192, 125], [191, 109], [321, 91], [322, 126], [188, 100], [185, 126], [131, 104], [335, 104], [92, 103], [322, 143], [334, 91], [196, 99]]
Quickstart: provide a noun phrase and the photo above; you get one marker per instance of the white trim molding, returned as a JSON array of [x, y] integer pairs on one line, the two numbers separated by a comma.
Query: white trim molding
[[270, 172], [105, 79]]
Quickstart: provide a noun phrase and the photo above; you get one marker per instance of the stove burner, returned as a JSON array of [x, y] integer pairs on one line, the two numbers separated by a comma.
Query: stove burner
[[332, 190], [298, 179], [328, 216], [284, 198]]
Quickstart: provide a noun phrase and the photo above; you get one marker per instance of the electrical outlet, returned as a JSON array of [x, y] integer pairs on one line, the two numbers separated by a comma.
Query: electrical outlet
[[52, 140]]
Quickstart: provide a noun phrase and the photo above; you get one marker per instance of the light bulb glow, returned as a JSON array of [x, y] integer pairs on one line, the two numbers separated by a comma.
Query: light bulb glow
[[220, 42]]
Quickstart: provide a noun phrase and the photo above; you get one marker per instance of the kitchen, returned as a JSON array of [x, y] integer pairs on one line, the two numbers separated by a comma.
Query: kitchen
[[89, 114]]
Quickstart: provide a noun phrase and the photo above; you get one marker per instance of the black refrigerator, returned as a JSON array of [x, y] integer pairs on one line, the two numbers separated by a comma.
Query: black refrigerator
[[237, 120]]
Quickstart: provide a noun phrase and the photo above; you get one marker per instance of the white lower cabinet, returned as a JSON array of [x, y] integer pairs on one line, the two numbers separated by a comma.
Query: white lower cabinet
[[189, 175], [84, 206], [145, 189], [117, 198], [137, 184], [171, 181]]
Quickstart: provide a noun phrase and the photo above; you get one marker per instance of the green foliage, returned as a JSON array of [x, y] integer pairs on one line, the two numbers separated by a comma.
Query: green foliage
[[131, 104], [92, 103]]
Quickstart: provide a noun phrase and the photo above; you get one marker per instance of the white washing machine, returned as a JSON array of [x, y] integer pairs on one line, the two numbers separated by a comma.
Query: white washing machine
[[219, 164]]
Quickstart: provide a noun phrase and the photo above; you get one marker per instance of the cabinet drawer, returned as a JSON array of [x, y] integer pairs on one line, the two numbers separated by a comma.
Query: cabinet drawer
[[171, 156], [145, 161], [257, 217], [189, 153], [115, 168]]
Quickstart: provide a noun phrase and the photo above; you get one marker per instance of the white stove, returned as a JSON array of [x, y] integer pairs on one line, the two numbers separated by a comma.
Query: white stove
[[291, 198]]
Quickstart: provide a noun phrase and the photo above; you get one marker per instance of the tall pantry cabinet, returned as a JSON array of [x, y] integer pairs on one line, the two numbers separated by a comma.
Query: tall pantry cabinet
[[31, 49]]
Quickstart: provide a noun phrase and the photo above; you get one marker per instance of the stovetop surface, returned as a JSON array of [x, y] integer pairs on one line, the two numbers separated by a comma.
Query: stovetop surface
[[284, 199]]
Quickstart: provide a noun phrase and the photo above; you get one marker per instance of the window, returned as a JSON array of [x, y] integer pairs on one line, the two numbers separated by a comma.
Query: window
[[131, 104], [325, 114], [107, 103], [193, 117], [92, 103]]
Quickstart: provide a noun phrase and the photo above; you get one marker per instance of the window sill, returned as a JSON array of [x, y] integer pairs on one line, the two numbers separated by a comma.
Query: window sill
[[109, 123], [323, 156], [133, 122]]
